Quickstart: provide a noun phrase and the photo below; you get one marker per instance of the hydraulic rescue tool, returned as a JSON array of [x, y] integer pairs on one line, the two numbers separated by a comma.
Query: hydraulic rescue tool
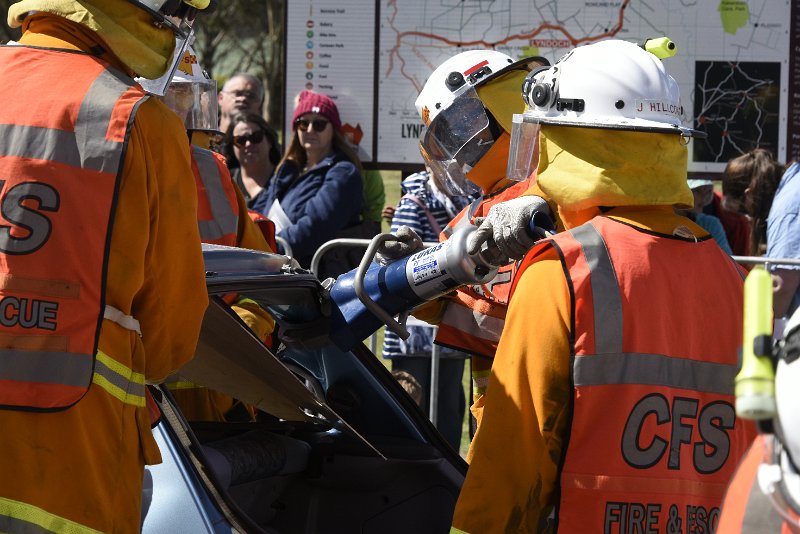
[[369, 296]]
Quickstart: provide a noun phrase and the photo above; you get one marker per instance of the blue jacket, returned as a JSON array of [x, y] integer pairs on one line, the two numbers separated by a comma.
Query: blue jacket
[[322, 202]]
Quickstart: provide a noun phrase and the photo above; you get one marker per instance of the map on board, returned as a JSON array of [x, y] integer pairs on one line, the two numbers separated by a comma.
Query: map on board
[[732, 66]]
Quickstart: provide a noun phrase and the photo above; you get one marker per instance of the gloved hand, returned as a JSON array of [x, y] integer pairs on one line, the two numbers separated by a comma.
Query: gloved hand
[[408, 242], [507, 225]]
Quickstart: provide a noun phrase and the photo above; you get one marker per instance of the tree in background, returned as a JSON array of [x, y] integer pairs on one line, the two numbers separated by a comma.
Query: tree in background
[[6, 33], [245, 36]]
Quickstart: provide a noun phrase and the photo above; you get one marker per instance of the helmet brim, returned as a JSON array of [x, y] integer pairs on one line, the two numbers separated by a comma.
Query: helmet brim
[[635, 125], [528, 64]]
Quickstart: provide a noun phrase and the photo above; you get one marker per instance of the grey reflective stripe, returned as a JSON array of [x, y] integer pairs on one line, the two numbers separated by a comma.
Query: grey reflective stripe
[[39, 143], [65, 368], [87, 147], [93, 120], [116, 379], [605, 290], [656, 370], [223, 219]]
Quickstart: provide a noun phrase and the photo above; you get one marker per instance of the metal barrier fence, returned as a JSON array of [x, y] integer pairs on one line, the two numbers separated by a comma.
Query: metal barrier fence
[[287, 248], [766, 261], [433, 402]]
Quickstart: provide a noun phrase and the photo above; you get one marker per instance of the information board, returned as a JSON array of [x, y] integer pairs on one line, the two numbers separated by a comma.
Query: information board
[[330, 49], [736, 64]]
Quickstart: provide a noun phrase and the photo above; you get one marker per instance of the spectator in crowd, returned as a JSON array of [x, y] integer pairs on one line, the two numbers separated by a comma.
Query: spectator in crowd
[[765, 175], [317, 193], [242, 93], [426, 208], [252, 151], [703, 192], [736, 224], [783, 241]]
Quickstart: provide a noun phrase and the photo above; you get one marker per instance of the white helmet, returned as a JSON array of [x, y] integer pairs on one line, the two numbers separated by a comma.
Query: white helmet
[[192, 95], [459, 129], [609, 84]]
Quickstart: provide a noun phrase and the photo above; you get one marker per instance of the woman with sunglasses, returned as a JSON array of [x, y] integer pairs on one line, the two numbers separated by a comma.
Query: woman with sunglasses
[[252, 152], [317, 192]]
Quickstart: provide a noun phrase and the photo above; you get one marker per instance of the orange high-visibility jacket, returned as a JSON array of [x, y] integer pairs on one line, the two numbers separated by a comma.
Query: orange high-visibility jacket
[[82, 467], [575, 413], [654, 437], [474, 317], [53, 166], [746, 508], [217, 210]]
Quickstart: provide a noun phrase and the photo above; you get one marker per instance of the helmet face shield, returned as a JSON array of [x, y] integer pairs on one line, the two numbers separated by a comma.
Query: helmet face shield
[[195, 102], [159, 85], [523, 154], [457, 138]]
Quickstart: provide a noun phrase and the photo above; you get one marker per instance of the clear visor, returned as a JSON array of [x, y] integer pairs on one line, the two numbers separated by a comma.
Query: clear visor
[[523, 154], [456, 140], [159, 86], [195, 103]]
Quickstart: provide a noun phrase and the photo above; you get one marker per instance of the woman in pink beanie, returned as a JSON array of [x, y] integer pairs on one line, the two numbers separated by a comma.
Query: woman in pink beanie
[[317, 193]]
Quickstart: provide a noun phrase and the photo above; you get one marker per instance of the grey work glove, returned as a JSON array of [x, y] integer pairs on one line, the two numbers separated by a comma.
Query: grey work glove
[[408, 242], [507, 225]]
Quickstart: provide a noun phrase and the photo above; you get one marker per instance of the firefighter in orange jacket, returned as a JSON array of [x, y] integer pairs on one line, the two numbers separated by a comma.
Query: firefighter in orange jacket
[[617, 415], [467, 104], [103, 284], [222, 218]]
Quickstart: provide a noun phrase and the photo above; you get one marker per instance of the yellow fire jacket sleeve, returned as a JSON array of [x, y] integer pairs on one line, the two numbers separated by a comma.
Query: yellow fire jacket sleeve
[[516, 450], [156, 215]]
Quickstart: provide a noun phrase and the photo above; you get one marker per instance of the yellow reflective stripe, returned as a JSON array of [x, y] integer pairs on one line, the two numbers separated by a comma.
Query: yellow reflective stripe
[[454, 530], [118, 380], [16, 516]]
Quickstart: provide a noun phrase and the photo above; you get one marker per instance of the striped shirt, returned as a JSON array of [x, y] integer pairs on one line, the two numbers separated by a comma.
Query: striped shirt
[[419, 190]]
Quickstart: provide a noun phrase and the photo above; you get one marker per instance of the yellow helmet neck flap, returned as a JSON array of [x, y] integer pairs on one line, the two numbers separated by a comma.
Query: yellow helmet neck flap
[[581, 168]]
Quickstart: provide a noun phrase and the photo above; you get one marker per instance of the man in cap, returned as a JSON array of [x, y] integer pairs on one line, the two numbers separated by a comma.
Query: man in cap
[[101, 257]]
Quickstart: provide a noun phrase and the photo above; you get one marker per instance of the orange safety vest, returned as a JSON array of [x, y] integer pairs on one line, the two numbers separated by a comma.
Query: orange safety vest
[[746, 508], [654, 437], [217, 208], [474, 319], [54, 250]]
